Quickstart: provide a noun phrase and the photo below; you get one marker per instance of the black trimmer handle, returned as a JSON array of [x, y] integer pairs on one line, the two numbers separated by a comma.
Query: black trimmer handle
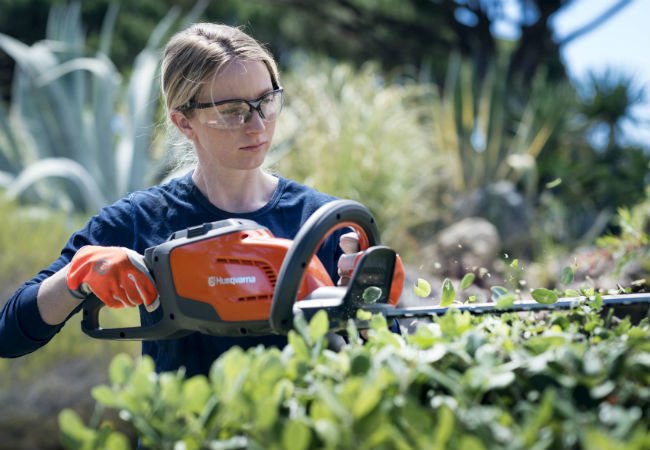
[[327, 218], [90, 325]]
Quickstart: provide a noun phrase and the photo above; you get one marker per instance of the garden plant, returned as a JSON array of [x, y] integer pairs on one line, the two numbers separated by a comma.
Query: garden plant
[[473, 135], [576, 379]]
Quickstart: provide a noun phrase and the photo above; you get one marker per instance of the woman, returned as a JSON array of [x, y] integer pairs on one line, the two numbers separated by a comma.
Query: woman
[[222, 92]]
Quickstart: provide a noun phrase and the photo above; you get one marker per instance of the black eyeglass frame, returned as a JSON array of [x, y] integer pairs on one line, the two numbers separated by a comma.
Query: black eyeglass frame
[[253, 104]]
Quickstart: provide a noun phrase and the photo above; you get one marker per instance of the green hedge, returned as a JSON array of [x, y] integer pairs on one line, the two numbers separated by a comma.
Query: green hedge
[[575, 379]]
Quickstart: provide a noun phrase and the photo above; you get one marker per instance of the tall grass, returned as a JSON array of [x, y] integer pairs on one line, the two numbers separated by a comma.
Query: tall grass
[[354, 135], [30, 239]]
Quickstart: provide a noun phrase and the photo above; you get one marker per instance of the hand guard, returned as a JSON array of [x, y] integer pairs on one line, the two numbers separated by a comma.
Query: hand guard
[[116, 275]]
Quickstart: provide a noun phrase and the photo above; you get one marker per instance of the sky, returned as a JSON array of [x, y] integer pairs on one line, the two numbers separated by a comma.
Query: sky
[[622, 43]]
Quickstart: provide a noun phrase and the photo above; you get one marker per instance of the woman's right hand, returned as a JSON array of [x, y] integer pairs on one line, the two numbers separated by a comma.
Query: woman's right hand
[[117, 276]]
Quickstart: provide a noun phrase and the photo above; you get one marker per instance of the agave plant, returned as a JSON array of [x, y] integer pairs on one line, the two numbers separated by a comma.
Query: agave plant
[[492, 139], [488, 134], [74, 136]]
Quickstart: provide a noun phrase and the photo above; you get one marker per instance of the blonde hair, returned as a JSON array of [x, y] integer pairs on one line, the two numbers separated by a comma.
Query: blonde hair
[[201, 51]]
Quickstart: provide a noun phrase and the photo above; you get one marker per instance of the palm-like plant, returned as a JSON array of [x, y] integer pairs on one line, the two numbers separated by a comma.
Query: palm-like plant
[[74, 137], [610, 101]]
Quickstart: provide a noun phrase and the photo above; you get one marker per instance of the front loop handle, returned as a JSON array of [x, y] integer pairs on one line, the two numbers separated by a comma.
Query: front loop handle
[[331, 216]]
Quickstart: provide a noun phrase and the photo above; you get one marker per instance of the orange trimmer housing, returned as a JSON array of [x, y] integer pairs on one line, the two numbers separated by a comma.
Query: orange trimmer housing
[[234, 278], [236, 273]]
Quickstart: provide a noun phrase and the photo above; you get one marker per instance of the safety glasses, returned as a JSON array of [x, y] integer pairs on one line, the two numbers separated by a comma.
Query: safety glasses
[[231, 114]]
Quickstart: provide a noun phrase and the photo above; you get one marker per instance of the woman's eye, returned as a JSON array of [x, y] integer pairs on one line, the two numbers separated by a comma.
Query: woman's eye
[[233, 111]]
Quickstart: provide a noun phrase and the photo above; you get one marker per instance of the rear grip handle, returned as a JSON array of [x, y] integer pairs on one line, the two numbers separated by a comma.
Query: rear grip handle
[[90, 325], [304, 246]]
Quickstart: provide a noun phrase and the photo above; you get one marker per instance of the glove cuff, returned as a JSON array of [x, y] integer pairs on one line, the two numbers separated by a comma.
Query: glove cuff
[[76, 294]]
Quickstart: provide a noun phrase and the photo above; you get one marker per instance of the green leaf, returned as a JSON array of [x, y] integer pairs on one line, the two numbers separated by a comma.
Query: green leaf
[[553, 183], [368, 398], [544, 296], [319, 326], [302, 327], [296, 435], [587, 291], [467, 281], [328, 432], [500, 380], [327, 394], [469, 442], [120, 369], [603, 390], [144, 378], [571, 293], [234, 443], [422, 288], [378, 322], [540, 418], [113, 440], [567, 275], [196, 392], [448, 294], [75, 435], [363, 315], [445, 427], [505, 301], [106, 396], [360, 363], [498, 292], [597, 302], [371, 294], [299, 346]]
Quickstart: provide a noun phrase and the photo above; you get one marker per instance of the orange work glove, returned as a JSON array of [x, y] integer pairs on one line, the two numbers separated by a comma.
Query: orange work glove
[[116, 275]]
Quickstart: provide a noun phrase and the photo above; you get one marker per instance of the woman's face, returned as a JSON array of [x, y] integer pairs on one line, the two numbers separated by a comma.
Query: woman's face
[[240, 148]]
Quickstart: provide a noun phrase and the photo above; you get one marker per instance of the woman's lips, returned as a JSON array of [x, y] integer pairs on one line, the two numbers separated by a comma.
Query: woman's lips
[[254, 147]]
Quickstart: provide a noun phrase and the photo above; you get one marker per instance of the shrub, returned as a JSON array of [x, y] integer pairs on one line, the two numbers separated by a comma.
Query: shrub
[[573, 379]]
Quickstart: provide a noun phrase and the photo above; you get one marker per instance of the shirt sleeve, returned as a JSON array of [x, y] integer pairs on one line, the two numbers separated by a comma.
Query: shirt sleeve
[[22, 329]]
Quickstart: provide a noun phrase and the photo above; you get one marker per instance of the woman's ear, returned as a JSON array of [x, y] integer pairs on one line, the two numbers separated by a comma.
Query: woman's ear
[[182, 123]]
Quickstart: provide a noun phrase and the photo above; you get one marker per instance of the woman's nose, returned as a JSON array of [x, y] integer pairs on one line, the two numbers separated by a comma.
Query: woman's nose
[[255, 124]]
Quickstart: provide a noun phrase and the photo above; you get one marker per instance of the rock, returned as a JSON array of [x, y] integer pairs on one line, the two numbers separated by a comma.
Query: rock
[[503, 206], [465, 246]]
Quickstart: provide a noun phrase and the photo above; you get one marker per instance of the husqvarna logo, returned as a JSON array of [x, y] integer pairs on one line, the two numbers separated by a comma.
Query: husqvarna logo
[[219, 281]]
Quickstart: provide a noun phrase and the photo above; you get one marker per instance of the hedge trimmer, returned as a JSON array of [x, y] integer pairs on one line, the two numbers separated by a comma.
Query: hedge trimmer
[[234, 278]]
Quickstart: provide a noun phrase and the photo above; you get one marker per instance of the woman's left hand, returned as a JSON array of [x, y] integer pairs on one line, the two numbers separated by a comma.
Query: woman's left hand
[[349, 243]]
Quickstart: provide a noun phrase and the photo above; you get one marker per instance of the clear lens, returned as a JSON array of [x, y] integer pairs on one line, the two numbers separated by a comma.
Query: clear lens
[[271, 105], [227, 115], [236, 113]]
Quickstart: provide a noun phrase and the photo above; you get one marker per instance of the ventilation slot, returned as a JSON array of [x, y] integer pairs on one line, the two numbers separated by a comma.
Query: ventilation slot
[[255, 298], [261, 265]]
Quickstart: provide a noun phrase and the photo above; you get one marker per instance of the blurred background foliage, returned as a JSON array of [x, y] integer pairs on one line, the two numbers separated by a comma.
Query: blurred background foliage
[[414, 108], [430, 117]]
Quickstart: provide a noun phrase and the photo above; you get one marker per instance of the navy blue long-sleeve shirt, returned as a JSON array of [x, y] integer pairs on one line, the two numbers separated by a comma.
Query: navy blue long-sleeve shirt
[[147, 218]]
